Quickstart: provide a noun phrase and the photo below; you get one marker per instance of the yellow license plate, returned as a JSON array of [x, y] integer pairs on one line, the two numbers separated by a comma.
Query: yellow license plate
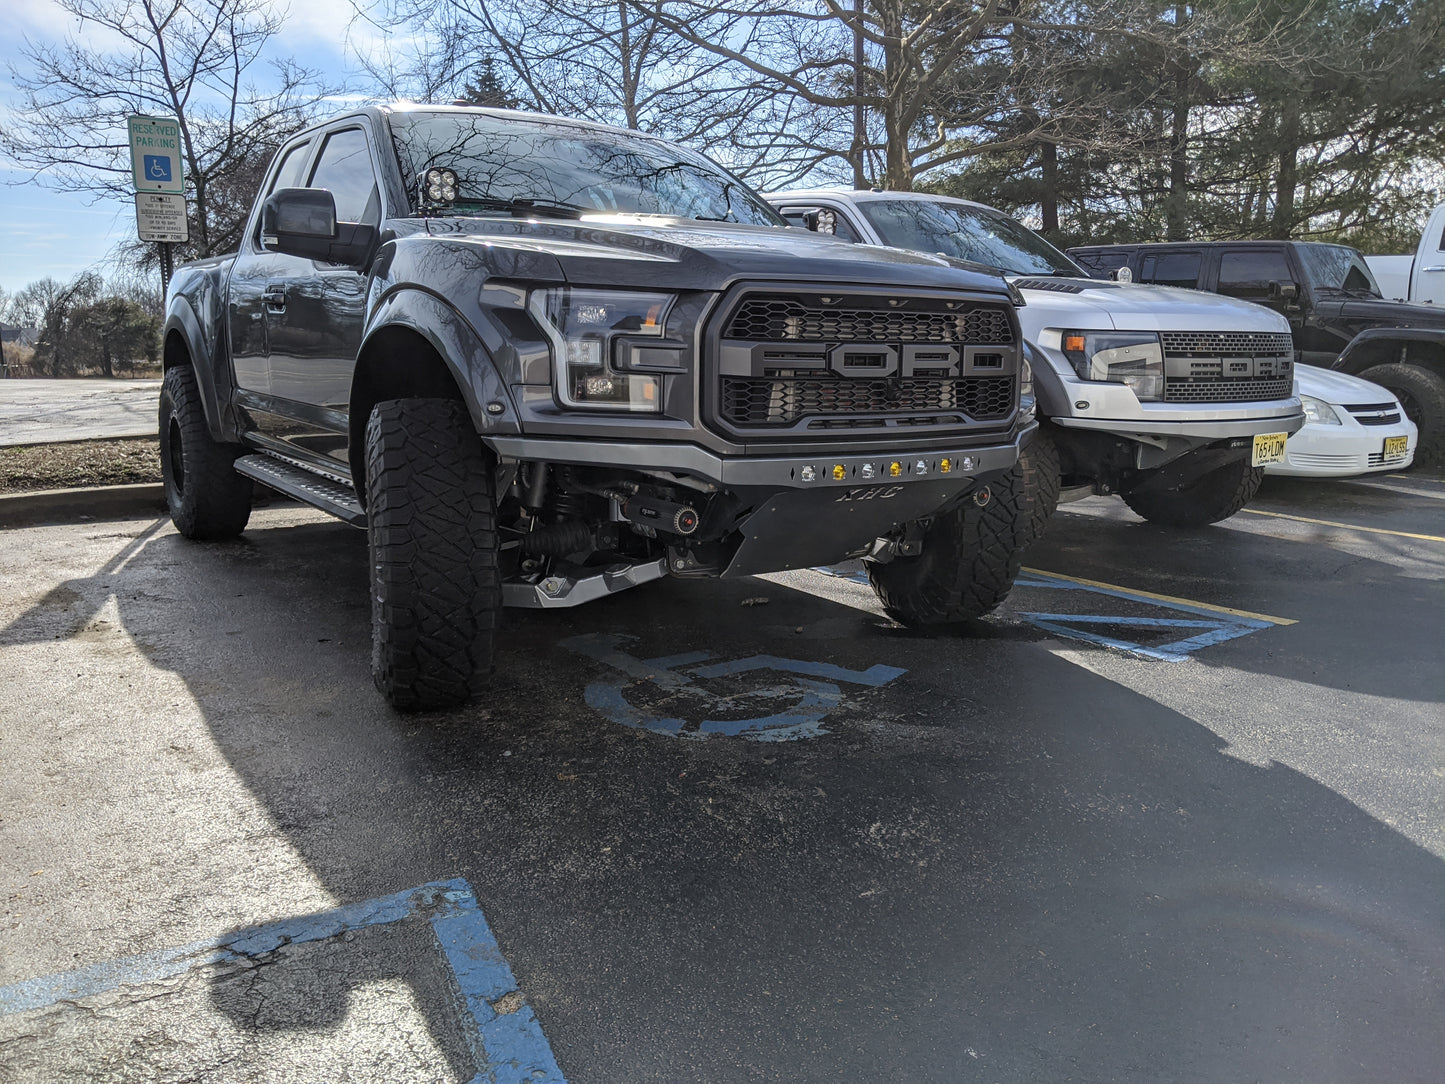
[[1268, 448], [1396, 447]]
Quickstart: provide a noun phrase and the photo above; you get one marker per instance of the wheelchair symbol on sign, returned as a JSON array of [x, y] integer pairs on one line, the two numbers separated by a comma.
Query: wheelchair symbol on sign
[[794, 707], [157, 167]]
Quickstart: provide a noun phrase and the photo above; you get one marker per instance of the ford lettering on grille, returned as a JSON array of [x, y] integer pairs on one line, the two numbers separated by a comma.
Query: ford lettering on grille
[[864, 361]]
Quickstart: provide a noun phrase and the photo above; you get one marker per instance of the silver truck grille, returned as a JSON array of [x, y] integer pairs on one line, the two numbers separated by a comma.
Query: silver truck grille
[[1227, 366]]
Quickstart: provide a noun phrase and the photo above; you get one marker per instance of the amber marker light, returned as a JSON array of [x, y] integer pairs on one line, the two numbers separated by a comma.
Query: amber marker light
[[895, 469], [945, 465], [839, 472], [1073, 344]]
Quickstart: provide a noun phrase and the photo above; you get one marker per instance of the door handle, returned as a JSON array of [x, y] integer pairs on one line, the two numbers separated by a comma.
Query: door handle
[[1438, 268], [274, 296]]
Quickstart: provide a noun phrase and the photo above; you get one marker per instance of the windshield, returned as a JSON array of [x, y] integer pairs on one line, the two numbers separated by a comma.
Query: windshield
[[1338, 268], [979, 234], [499, 160]]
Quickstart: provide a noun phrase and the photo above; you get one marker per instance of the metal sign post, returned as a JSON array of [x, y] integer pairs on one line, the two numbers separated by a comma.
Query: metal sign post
[[160, 184]]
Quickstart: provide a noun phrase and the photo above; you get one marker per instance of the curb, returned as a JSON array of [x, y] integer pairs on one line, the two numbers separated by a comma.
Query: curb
[[79, 505]]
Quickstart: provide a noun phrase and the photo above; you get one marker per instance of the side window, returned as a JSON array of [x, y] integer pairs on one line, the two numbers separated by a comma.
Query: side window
[[1247, 273], [1171, 269], [288, 174], [344, 169]]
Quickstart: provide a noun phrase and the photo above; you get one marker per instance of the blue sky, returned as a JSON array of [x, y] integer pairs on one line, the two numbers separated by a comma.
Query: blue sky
[[44, 232]]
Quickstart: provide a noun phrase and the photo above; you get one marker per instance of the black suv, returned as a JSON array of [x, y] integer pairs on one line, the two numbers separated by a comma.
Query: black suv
[[1336, 313]]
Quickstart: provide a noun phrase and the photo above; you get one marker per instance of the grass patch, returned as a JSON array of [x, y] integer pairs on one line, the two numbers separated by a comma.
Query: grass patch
[[79, 463]]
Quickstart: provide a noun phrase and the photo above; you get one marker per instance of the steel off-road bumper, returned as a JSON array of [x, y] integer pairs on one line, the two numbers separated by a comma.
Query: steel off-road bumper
[[808, 509]]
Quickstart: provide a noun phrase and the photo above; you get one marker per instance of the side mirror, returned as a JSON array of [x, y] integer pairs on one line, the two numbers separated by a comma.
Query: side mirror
[[302, 222], [1283, 291]]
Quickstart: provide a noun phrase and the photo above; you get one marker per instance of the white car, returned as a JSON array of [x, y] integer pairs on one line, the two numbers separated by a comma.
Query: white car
[[1351, 427]]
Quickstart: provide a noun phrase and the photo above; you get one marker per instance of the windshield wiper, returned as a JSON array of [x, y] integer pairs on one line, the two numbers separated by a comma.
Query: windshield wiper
[[525, 208]]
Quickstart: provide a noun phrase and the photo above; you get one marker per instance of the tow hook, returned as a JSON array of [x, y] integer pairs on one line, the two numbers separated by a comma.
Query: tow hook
[[982, 496]]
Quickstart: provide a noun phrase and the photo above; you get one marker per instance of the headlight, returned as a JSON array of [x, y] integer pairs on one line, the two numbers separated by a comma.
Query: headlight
[[1319, 412], [1131, 358], [585, 327]]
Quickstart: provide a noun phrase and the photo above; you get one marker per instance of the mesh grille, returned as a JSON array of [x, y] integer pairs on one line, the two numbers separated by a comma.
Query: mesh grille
[[794, 319], [1227, 344], [751, 401], [1227, 391]]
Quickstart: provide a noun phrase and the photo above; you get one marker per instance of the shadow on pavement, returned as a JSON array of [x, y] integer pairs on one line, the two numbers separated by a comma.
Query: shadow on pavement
[[997, 867]]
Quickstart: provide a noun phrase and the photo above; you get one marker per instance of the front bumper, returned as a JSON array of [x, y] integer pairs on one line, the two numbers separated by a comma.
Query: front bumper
[[1203, 422], [1340, 451], [820, 469]]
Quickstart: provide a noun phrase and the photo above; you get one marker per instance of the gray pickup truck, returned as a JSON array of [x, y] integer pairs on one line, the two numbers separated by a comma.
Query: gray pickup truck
[[541, 361]]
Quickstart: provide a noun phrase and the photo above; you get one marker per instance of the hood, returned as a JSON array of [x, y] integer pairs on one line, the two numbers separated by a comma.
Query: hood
[[1099, 304], [1337, 388], [684, 254], [1388, 313]]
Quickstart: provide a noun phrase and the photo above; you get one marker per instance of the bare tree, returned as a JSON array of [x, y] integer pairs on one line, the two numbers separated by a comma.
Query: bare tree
[[601, 60], [193, 60]]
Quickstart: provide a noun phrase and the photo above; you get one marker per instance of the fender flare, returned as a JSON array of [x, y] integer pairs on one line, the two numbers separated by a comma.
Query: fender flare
[[1360, 354], [182, 320], [461, 349]]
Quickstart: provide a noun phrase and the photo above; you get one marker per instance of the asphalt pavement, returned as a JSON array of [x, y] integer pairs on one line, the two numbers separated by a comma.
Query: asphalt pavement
[[51, 411], [1177, 812]]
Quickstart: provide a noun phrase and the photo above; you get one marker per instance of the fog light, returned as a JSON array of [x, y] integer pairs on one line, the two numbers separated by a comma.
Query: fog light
[[839, 472], [945, 465], [921, 467], [867, 470], [807, 474], [895, 469]]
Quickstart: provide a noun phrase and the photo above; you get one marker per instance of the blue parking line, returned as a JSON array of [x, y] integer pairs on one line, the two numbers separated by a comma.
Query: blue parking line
[[507, 1042]]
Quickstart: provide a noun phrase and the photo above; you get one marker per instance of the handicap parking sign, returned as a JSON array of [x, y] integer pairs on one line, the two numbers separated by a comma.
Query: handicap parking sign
[[157, 167]]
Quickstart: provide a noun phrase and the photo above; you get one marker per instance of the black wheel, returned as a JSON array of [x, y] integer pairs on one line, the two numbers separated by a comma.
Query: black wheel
[[1422, 393], [1042, 478], [1201, 501], [435, 588], [206, 497], [970, 557]]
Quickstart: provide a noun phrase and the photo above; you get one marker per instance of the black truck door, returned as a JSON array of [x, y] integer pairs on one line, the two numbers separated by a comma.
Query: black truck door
[[246, 301], [317, 309]]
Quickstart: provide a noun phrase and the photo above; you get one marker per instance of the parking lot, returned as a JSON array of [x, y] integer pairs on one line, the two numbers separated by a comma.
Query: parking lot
[[1177, 812]]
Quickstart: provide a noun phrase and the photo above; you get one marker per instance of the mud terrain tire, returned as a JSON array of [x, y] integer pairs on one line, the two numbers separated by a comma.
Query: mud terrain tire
[[435, 588], [970, 557], [1422, 393], [206, 497], [1204, 500]]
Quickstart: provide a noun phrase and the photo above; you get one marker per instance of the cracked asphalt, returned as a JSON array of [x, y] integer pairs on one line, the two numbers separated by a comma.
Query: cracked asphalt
[[1026, 857]]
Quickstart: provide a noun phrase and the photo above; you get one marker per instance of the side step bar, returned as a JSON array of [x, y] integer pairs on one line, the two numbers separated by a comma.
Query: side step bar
[[331, 497]]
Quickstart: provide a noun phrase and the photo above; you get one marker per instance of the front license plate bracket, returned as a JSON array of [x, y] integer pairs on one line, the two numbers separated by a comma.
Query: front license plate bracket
[[1268, 448]]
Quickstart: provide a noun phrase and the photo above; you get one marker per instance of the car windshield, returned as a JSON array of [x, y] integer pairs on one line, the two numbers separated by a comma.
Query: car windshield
[[1339, 269], [502, 161], [979, 234]]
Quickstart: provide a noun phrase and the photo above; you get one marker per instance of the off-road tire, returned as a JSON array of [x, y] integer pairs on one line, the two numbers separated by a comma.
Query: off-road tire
[[1042, 479], [1204, 500], [206, 497], [432, 525], [970, 557], [1422, 393]]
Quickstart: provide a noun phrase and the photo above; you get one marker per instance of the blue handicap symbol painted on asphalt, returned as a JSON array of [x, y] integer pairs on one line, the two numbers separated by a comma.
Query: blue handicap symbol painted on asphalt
[[805, 695], [157, 167]]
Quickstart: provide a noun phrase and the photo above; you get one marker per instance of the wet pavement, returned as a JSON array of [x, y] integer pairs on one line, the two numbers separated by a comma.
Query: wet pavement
[[1176, 812]]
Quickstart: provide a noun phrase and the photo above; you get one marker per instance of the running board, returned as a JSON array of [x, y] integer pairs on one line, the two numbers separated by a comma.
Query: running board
[[330, 497]]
